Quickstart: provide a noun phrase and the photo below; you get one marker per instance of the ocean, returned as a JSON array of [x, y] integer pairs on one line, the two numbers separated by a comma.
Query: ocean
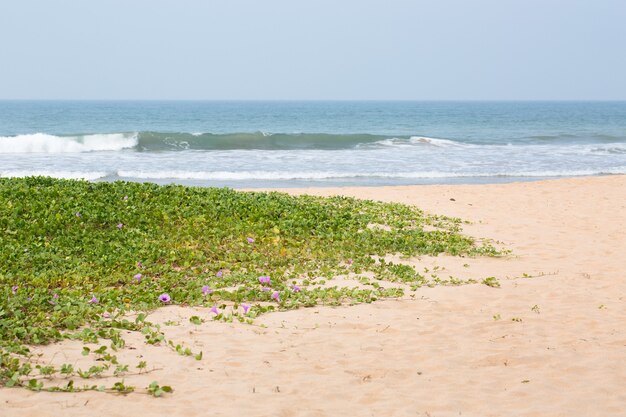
[[295, 144]]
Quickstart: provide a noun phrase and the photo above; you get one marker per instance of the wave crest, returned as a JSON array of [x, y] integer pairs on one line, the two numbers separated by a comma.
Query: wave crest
[[413, 141], [45, 143], [198, 141]]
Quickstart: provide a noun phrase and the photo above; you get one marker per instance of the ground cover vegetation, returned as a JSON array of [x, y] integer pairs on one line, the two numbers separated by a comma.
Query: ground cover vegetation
[[76, 258]]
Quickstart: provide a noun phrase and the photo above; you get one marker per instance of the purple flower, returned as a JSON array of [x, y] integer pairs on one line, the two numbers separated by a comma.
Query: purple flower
[[93, 300], [14, 289], [206, 290], [54, 298], [138, 277], [250, 240], [295, 288], [219, 274], [276, 295], [139, 264], [349, 261], [214, 310], [78, 214], [245, 307], [165, 298], [265, 289], [125, 198], [120, 225], [264, 279]]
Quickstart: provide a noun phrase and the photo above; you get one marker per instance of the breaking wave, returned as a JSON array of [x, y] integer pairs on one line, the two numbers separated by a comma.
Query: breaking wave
[[45, 143], [198, 141], [158, 141]]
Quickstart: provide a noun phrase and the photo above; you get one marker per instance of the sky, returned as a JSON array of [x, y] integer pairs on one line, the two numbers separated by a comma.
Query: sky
[[313, 49]]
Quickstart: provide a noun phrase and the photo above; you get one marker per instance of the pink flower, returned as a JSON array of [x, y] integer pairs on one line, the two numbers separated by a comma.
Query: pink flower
[[14, 289], [165, 298], [214, 310], [93, 300], [349, 261], [120, 226], [245, 307], [295, 288], [139, 264], [125, 198], [206, 290], [264, 279], [138, 277], [276, 295], [265, 289], [250, 240]]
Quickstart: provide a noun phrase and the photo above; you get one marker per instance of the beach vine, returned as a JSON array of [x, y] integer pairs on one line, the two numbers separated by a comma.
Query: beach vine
[[78, 258]]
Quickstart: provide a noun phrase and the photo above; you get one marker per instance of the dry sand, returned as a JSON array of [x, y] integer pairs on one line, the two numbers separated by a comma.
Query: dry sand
[[439, 352]]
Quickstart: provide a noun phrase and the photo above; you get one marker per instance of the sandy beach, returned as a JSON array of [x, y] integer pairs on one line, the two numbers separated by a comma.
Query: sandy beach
[[551, 341]]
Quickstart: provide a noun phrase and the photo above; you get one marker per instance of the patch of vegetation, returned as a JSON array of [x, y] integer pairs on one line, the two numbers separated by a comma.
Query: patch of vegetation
[[491, 282], [76, 257]]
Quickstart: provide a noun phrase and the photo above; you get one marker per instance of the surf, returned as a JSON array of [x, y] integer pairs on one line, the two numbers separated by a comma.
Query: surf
[[46, 143]]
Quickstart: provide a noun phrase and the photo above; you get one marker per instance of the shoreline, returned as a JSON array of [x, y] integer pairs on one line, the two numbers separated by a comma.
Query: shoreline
[[268, 185], [301, 184], [549, 345]]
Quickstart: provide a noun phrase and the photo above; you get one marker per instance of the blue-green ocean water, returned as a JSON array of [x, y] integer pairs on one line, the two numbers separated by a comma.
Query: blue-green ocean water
[[267, 144]]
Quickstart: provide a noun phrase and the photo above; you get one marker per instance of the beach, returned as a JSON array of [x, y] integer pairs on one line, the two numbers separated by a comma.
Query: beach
[[550, 341]]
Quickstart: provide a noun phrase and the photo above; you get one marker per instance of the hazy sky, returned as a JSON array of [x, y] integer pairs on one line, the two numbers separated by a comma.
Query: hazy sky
[[313, 49]]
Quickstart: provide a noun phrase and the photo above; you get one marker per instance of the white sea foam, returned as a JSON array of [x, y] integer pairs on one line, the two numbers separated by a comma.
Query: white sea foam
[[421, 141], [390, 142], [312, 175], [424, 143], [607, 149], [70, 175], [323, 175], [270, 175], [440, 143], [45, 143]]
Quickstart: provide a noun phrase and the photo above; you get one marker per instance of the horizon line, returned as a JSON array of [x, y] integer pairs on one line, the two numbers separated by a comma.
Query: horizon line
[[304, 100]]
